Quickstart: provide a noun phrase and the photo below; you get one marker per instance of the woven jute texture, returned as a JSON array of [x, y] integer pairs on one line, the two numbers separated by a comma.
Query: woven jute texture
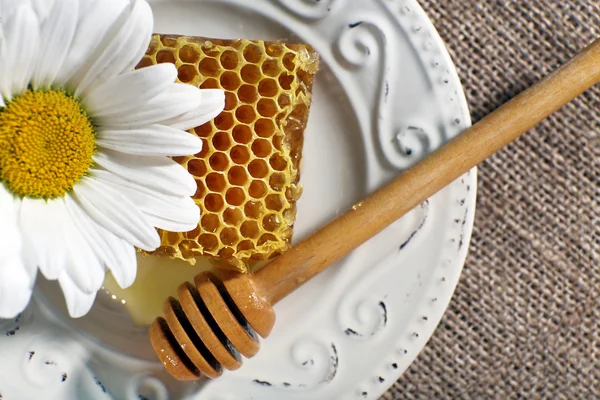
[[525, 319]]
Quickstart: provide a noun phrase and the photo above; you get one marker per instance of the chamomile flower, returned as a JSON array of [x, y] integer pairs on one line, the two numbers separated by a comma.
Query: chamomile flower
[[85, 145]]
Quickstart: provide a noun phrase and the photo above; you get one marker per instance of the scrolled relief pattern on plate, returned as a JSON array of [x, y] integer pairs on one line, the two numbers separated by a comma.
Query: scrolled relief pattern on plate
[[44, 360], [359, 44], [360, 315], [311, 9], [316, 357], [315, 362], [146, 387]]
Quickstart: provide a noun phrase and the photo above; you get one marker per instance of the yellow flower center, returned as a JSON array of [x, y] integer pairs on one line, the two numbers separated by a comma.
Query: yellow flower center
[[46, 144]]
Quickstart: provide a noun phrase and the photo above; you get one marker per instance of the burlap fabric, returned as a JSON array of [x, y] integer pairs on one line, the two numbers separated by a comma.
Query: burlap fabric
[[525, 319]]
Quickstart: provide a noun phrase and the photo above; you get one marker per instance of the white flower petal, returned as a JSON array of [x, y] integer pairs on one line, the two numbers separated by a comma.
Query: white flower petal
[[8, 215], [116, 213], [171, 213], [78, 302], [124, 51], [11, 238], [115, 253], [44, 246], [158, 173], [176, 100], [213, 102], [83, 266], [16, 281], [132, 87], [152, 140], [15, 287], [98, 24], [57, 34], [8, 7], [17, 60], [43, 8]]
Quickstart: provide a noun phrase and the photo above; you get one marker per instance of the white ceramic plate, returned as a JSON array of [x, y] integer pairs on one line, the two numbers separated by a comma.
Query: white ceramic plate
[[386, 95]]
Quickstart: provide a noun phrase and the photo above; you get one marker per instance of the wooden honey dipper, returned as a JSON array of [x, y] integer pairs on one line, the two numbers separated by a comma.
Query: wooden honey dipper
[[216, 321]]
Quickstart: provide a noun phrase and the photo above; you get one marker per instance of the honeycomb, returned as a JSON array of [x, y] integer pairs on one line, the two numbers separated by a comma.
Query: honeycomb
[[248, 170]]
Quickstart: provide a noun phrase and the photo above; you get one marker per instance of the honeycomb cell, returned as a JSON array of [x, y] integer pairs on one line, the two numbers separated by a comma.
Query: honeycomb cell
[[214, 202], [168, 41], [146, 62], [205, 150], [208, 67], [247, 94], [276, 182], [258, 189], [253, 54], [250, 73], [224, 121], [247, 172], [216, 182], [266, 107], [229, 236], [173, 238], [271, 222], [230, 101], [267, 237], [152, 48], [221, 141], [235, 196], [245, 114], [186, 73], [200, 190], [210, 84], [268, 88], [188, 248], [258, 169], [204, 130], [278, 143], [253, 209], [274, 202], [230, 81], [165, 56], [288, 61], [237, 176], [226, 253], [264, 127], [242, 134], [229, 59], [209, 50], [210, 223], [285, 81], [250, 229], [274, 49], [284, 100], [197, 168], [208, 242], [219, 161], [194, 233], [261, 148], [180, 160], [240, 155], [245, 245], [271, 68], [278, 163], [233, 216], [189, 54]]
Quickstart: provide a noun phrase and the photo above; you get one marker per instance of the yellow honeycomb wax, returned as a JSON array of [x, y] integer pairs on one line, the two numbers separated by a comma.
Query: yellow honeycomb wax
[[248, 171]]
